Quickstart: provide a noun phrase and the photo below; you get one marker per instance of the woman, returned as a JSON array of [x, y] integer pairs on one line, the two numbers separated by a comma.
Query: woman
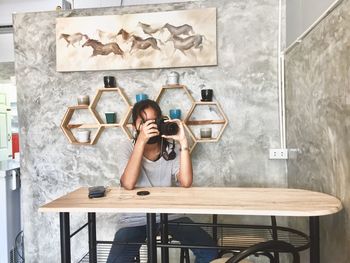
[[152, 161]]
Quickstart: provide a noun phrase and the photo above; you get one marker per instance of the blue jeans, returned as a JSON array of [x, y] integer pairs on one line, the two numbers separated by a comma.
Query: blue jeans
[[193, 235]]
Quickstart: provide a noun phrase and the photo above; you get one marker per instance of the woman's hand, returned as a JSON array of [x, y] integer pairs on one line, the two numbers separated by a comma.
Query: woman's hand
[[148, 130], [180, 136]]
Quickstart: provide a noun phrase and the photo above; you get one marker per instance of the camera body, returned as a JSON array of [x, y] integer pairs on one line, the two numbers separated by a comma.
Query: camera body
[[167, 128]]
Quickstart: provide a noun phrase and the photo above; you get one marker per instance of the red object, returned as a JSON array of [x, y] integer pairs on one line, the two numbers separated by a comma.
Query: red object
[[15, 144]]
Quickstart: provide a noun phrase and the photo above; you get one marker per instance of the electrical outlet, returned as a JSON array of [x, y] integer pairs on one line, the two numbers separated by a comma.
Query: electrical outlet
[[279, 154]]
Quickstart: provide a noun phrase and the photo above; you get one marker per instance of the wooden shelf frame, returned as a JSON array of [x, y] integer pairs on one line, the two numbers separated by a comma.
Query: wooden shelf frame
[[162, 93], [192, 137], [124, 123], [67, 127], [172, 87], [223, 121], [96, 100], [99, 125], [126, 126], [164, 89]]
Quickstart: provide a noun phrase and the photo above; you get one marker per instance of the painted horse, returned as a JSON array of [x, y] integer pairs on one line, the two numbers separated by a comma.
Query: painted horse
[[147, 29], [182, 44], [73, 38], [142, 44], [107, 36], [179, 30], [103, 49], [125, 35]]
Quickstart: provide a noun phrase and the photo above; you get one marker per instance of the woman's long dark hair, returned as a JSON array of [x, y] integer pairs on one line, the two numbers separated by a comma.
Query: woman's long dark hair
[[140, 107]]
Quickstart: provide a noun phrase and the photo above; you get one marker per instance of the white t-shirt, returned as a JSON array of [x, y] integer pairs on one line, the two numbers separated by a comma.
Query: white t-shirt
[[152, 173]]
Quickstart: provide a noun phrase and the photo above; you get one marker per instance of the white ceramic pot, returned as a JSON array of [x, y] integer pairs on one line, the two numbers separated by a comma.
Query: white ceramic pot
[[83, 136], [173, 78]]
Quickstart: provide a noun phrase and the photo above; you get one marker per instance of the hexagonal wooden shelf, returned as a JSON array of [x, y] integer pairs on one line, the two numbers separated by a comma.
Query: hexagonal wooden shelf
[[194, 141], [222, 121], [67, 127], [163, 90], [126, 125], [96, 100]]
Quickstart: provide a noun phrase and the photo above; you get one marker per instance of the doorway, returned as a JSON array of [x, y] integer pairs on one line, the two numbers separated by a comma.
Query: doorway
[[9, 145]]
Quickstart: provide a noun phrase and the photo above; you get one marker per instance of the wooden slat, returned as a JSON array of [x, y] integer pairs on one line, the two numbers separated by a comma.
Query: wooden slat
[[205, 122], [79, 107], [83, 126], [110, 125], [108, 89], [206, 139], [201, 200], [206, 102]]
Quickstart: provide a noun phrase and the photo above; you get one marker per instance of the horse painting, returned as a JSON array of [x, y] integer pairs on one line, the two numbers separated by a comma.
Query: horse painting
[[101, 49], [74, 38], [177, 38]]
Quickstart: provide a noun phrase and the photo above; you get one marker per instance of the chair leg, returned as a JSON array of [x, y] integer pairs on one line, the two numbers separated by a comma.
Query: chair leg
[[184, 255], [275, 237], [187, 255]]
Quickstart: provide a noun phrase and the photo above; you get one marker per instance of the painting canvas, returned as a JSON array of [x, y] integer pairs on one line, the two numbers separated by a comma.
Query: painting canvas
[[134, 41]]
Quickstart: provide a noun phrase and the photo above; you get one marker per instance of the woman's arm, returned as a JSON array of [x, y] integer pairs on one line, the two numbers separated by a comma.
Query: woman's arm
[[132, 170], [185, 175]]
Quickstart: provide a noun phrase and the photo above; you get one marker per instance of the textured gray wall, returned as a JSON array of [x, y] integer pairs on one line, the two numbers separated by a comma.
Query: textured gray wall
[[7, 70], [244, 82], [318, 110]]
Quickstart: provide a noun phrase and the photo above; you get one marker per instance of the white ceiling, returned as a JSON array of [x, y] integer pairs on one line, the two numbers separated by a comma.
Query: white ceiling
[[7, 7]]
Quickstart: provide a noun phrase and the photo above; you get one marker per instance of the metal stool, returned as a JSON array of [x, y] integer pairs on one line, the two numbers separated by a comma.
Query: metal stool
[[266, 249], [224, 260]]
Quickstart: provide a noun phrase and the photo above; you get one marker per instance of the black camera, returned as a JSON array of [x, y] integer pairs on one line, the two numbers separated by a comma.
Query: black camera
[[167, 128]]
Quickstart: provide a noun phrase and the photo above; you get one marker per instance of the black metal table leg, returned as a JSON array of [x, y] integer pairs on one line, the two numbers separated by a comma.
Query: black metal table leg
[[215, 228], [65, 237], [151, 238], [164, 237], [275, 237], [92, 238], [314, 226]]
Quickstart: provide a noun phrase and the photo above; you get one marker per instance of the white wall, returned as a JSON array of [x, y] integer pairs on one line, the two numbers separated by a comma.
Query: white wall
[[301, 14], [6, 48], [7, 7]]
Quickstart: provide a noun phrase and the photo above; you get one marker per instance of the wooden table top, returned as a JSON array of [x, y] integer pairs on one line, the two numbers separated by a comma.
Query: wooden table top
[[201, 200]]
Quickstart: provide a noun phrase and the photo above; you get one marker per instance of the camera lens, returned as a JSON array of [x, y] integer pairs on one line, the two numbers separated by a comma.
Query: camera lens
[[168, 128]]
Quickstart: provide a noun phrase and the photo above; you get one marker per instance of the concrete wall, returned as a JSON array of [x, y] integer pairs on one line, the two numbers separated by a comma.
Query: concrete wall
[[318, 110], [301, 14], [244, 82]]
